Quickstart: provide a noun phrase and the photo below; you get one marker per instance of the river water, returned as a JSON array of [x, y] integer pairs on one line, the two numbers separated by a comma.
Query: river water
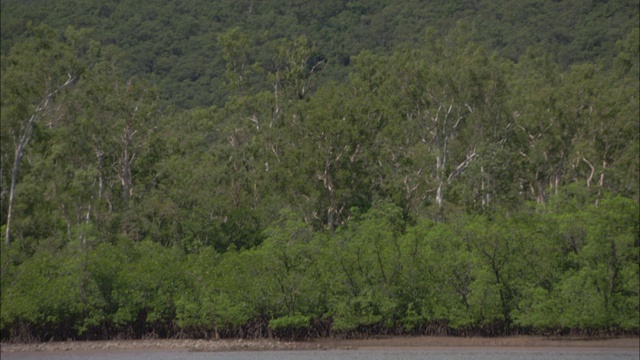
[[400, 354]]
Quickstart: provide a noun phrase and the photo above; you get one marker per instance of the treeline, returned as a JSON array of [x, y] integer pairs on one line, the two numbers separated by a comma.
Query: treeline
[[439, 188], [542, 270]]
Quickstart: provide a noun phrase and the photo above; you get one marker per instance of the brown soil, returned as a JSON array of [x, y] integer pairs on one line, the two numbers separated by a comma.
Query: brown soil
[[418, 342]]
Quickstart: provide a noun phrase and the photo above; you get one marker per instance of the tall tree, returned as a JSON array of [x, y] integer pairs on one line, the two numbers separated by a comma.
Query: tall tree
[[33, 75]]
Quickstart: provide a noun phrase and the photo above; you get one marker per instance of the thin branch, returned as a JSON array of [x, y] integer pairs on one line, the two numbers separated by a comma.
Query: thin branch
[[591, 174], [461, 167]]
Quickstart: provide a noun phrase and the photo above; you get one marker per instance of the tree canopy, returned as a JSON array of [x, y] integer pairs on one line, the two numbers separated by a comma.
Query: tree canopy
[[302, 169]]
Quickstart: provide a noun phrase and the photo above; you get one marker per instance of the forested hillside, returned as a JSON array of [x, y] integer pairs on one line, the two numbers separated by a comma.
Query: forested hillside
[[334, 168], [176, 43]]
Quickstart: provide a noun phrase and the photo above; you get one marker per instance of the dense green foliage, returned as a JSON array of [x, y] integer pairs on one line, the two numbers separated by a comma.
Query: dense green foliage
[[538, 270], [319, 169], [176, 42]]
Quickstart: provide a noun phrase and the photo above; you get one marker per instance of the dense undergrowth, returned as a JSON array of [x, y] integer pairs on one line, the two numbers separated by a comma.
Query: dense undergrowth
[[540, 271]]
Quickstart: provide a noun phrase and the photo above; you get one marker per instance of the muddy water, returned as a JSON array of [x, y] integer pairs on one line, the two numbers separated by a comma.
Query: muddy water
[[401, 354]]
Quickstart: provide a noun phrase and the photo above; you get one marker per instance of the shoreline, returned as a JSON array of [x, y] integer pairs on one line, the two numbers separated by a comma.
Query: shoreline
[[515, 343]]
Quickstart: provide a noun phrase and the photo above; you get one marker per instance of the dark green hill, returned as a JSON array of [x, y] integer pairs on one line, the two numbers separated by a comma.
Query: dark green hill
[[177, 42]]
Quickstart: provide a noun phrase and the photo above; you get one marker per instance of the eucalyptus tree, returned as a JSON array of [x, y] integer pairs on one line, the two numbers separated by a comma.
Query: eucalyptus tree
[[445, 119], [34, 74]]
